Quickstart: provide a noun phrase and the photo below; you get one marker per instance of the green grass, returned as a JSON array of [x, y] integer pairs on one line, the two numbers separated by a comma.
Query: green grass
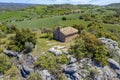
[[55, 21], [12, 15], [43, 44], [50, 22]]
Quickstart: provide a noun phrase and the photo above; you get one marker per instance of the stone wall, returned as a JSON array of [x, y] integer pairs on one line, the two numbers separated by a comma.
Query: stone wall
[[61, 37], [70, 37]]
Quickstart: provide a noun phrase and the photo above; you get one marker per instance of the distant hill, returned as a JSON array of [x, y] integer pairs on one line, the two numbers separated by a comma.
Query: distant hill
[[14, 6], [114, 5]]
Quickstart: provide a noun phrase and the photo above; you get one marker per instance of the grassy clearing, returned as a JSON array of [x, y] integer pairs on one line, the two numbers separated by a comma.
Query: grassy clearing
[[43, 44]]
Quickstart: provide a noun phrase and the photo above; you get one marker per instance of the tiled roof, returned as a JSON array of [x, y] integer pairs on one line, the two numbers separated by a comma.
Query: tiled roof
[[68, 30]]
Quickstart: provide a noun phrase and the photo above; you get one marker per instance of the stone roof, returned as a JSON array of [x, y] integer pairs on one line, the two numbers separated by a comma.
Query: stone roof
[[68, 30]]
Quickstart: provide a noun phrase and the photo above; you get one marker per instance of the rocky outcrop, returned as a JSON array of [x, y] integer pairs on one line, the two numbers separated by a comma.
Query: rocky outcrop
[[86, 69], [70, 69], [46, 75], [10, 53], [113, 64], [112, 47], [111, 43], [25, 63], [72, 60], [58, 50]]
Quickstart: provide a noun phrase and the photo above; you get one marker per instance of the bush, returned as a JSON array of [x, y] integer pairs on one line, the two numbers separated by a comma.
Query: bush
[[21, 37], [87, 45], [64, 18], [46, 61], [13, 72], [78, 49], [28, 47], [2, 34], [79, 28], [12, 28], [50, 62], [3, 28], [61, 77], [4, 63], [34, 76], [62, 59]]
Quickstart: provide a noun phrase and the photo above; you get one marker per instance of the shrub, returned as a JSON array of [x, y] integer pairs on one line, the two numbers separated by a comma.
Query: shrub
[[78, 49], [64, 18], [4, 63], [12, 28], [87, 45], [28, 47], [3, 28], [46, 61], [62, 59], [61, 77], [21, 37], [2, 34], [34, 76], [13, 72], [79, 28]]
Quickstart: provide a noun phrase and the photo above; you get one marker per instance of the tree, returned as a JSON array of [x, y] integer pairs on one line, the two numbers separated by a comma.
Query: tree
[[79, 27], [64, 18], [12, 28], [21, 37], [5, 63], [78, 49], [87, 45], [28, 47]]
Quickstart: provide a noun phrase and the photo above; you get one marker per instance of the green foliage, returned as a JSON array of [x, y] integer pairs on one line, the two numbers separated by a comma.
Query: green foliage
[[2, 34], [87, 45], [13, 72], [3, 28], [21, 37], [62, 59], [28, 47], [50, 62], [12, 28], [34, 76], [61, 77], [78, 49], [46, 61], [5, 63], [48, 32], [79, 28], [64, 18]]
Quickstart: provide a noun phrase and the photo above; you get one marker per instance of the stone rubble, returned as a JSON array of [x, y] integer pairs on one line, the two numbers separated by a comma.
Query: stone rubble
[[58, 50]]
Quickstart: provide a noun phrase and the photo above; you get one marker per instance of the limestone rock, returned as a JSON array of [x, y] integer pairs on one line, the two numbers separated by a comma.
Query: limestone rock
[[113, 64]]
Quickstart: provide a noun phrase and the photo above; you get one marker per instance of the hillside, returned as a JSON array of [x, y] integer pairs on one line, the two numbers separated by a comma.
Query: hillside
[[85, 44], [14, 6], [114, 5]]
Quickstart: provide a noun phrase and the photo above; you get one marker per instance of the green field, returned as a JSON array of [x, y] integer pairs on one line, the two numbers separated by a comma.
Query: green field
[[50, 22], [51, 16]]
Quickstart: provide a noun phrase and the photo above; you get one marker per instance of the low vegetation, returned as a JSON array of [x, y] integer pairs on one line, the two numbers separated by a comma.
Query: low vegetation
[[87, 45], [23, 40], [30, 30]]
